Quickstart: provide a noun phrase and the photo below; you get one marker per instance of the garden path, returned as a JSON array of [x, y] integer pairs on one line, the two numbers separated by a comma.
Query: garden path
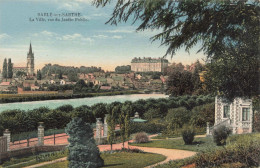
[[171, 154]]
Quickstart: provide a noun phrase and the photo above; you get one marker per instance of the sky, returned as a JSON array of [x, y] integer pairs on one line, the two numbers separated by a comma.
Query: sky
[[88, 42]]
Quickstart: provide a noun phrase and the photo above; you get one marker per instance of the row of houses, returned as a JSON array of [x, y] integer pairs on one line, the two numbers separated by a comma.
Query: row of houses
[[106, 81]]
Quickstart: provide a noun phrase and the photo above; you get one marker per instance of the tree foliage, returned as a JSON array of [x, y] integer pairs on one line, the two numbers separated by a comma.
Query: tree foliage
[[10, 69], [111, 124], [39, 75], [123, 69], [83, 151], [226, 31], [4, 73]]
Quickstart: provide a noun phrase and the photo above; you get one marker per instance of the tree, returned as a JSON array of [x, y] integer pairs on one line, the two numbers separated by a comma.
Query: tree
[[237, 75], [10, 69], [123, 69], [180, 83], [20, 73], [72, 76], [177, 117], [39, 75], [200, 115], [60, 75], [217, 25], [83, 151], [99, 110], [127, 125], [121, 120], [124, 121], [197, 83], [111, 124], [4, 69]]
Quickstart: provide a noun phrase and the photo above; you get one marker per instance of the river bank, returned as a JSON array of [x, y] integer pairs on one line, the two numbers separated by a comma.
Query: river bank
[[76, 102], [12, 98]]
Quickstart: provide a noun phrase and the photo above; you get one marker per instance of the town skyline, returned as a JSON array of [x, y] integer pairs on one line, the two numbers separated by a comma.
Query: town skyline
[[81, 43]]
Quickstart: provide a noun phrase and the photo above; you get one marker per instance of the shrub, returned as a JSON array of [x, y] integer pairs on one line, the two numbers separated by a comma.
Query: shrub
[[220, 135], [245, 150], [150, 128], [188, 134], [83, 151], [257, 121], [141, 137], [135, 150]]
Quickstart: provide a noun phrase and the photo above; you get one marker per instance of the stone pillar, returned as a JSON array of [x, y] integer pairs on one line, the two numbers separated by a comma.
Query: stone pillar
[[7, 134], [208, 132], [105, 126], [40, 134], [98, 128]]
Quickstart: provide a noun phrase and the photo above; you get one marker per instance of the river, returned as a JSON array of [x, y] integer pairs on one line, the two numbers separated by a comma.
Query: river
[[52, 104]]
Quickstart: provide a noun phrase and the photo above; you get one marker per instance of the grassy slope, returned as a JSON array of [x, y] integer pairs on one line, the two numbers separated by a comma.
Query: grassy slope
[[123, 159]]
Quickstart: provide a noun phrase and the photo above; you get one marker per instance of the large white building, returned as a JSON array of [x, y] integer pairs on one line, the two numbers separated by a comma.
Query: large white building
[[238, 115], [148, 64]]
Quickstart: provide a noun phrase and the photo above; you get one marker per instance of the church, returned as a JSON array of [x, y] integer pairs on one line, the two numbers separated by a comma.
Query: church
[[29, 69]]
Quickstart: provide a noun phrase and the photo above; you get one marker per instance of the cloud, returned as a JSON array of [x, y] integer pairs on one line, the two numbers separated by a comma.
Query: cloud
[[84, 1], [47, 35], [71, 37], [100, 36], [71, 6], [4, 36], [116, 37], [149, 33], [120, 31], [76, 37]]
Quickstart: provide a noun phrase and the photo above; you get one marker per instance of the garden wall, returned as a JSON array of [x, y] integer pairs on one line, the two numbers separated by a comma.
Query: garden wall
[[30, 151]]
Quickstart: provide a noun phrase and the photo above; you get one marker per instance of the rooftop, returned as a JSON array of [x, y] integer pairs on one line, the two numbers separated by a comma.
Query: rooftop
[[149, 60]]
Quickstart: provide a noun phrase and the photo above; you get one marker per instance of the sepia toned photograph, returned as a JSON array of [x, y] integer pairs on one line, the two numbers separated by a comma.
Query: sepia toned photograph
[[129, 83]]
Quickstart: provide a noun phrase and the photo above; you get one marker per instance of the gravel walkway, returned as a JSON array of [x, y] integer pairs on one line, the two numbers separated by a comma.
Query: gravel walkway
[[171, 154]]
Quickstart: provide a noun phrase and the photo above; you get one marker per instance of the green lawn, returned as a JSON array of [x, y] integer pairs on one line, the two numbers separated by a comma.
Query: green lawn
[[199, 144], [239, 143], [121, 160]]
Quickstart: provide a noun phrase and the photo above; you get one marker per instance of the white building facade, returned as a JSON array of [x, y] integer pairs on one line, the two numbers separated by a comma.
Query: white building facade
[[148, 64], [238, 115]]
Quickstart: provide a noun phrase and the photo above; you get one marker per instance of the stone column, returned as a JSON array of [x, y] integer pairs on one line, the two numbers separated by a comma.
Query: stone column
[[40, 134], [7, 134], [98, 128], [208, 132], [105, 126]]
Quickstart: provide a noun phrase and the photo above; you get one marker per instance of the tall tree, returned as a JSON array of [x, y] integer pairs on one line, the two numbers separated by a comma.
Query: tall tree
[[83, 151], [111, 124], [39, 75], [4, 69], [127, 124], [216, 25], [124, 120], [10, 69]]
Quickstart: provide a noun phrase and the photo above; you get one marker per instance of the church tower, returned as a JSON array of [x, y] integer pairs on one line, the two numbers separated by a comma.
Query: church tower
[[30, 62]]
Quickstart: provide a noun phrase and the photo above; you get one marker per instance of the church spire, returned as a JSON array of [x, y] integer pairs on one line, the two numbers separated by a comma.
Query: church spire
[[30, 50]]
